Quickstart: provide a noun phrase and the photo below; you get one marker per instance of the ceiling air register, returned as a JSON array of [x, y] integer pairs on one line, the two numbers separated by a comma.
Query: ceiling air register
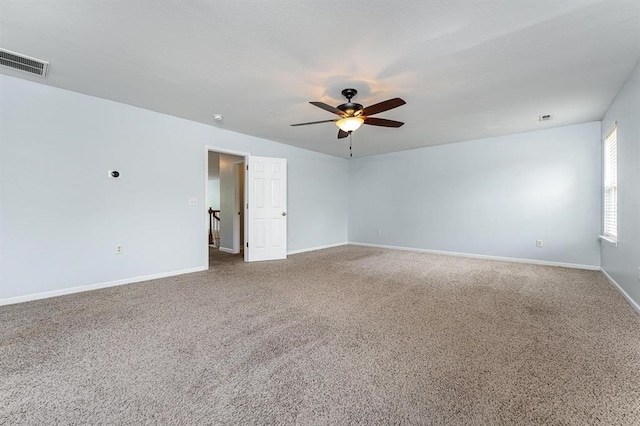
[[23, 63]]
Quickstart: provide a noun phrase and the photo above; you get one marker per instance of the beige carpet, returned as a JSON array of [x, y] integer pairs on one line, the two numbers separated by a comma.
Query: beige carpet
[[338, 336]]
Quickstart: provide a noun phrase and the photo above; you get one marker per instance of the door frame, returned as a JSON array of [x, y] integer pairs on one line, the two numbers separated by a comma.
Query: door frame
[[237, 224], [245, 155]]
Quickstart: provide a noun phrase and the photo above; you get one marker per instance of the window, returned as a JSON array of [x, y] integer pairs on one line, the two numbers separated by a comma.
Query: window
[[611, 184]]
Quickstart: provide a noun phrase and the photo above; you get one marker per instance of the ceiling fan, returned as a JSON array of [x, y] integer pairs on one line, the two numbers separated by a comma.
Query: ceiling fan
[[353, 115]]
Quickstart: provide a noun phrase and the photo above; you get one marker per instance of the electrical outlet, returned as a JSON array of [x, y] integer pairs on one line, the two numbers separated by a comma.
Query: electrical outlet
[[119, 248], [193, 201], [379, 232], [539, 243]]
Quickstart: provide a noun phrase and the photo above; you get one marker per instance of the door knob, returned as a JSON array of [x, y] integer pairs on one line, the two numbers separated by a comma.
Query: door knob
[[284, 213]]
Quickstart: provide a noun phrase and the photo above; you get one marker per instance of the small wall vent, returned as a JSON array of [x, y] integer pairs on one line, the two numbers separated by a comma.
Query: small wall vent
[[23, 63]]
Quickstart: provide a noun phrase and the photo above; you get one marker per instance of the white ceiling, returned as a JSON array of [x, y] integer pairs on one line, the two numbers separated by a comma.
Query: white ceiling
[[467, 69]]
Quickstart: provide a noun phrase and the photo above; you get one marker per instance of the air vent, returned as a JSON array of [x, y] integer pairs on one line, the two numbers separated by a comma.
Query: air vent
[[23, 63], [545, 117]]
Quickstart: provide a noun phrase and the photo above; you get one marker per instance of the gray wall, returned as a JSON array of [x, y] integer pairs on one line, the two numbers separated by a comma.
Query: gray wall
[[61, 217], [492, 197], [622, 262]]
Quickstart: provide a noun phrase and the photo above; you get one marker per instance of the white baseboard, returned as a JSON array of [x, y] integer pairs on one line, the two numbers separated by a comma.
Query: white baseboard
[[621, 290], [483, 256], [228, 250], [79, 289], [316, 248]]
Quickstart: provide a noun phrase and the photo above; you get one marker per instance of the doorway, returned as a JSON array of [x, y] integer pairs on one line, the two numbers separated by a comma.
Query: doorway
[[243, 181], [224, 196]]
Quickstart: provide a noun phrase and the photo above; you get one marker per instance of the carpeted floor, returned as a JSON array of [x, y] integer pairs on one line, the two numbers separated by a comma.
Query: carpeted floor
[[338, 336]]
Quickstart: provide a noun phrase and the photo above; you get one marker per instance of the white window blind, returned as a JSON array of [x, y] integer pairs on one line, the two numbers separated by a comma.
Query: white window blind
[[611, 184]]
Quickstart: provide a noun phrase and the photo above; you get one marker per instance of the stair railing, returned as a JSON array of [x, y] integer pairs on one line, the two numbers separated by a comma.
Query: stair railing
[[214, 227]]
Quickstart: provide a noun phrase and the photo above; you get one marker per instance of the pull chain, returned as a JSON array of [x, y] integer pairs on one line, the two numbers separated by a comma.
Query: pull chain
[[350, 151]]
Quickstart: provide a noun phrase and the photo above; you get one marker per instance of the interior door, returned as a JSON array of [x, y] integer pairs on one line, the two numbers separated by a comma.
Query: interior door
[[266, 208]]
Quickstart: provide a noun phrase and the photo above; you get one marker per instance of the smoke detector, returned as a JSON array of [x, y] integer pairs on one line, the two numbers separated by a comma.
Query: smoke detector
[[217, 117], [546, 117], [20, 62]]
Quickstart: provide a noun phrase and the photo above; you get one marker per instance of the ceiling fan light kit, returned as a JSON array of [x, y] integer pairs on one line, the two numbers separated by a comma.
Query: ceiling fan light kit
[[353, 115], [350, 124]]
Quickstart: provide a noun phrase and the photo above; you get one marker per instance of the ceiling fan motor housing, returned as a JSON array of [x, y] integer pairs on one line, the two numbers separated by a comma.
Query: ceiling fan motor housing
[[350, 108]]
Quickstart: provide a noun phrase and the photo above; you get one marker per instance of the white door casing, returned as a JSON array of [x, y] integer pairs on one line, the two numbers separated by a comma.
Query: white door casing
[[267, 208]]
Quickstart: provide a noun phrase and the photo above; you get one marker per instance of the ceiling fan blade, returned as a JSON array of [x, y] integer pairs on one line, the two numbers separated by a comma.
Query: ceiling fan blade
[[383, 106], [326, 107], [314, 122], [383, 122], [342, 134]]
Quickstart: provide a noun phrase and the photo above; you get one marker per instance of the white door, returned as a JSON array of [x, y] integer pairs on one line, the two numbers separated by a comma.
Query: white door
[[267, 209]]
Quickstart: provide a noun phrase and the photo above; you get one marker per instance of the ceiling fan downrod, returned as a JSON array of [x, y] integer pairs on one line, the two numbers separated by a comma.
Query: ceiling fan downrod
[[350, 108]]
